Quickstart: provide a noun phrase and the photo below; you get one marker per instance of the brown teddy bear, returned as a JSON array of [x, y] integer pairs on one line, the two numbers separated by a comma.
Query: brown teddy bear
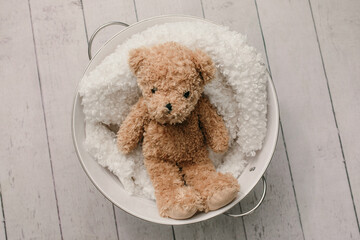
[[176, 123]]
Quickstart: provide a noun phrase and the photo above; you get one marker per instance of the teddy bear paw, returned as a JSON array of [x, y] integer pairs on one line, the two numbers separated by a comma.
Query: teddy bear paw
[[222, 198], [181, 212], [185, 204]]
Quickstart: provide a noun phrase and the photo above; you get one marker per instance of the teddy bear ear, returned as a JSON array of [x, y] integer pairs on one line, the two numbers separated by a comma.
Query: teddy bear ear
[[204, 65], [136, 57]]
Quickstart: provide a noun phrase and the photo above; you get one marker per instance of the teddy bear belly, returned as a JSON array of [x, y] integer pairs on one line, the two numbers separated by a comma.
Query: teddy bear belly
[[172, 143]]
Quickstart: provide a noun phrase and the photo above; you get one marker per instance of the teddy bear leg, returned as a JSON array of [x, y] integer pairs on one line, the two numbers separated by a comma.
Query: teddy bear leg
[[216, 189], [173, 198]]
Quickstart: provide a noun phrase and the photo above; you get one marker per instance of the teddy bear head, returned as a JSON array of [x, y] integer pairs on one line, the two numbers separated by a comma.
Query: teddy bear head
[[171, 78]]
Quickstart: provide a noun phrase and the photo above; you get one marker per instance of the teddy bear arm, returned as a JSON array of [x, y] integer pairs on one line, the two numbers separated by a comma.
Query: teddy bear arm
[[132, 129], [213, 126]]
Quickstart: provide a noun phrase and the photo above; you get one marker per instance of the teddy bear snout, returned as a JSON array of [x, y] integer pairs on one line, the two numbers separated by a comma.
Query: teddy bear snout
[[169, 106]]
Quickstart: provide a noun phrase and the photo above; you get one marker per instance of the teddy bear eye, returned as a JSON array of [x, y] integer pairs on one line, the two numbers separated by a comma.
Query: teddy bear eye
[[187, 94], [154, 90]]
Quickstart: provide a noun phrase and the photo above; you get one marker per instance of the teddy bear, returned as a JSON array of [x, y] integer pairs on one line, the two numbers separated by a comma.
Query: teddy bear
[[176, 124]]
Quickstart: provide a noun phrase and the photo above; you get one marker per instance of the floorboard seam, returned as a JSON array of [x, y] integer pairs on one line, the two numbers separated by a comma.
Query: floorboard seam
[[116, 225], [84, 19], [292, 181], [334, 115], [87, 40], [45, 121], [202, 8], [173, 232], [243, 222], [135, 9], [281, 128], [3, 213]]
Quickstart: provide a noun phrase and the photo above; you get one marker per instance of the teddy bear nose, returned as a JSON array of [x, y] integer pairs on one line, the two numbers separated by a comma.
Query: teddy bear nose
[[168, 106]]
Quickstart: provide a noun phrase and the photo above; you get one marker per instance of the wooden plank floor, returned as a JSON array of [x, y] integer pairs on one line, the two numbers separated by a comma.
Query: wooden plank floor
[[312, 49]]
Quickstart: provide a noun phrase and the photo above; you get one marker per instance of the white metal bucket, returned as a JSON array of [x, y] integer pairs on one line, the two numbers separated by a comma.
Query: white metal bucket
[[143, 208]]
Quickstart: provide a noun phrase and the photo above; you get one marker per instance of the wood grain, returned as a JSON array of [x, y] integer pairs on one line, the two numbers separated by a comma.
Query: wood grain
[[310, 132], [278, 216], [129, 227], [146, 9], [123, 11], [339, 37], [220, 227], [240, 16], [61, 51], [38, 82], [25, 173], [133, 228]]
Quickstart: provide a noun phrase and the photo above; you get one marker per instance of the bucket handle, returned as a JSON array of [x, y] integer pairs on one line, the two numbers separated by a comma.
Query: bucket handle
[[98, 30], [255, 207]]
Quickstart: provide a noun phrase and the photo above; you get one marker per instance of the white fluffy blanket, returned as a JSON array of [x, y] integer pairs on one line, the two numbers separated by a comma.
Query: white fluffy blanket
[[238, 92]]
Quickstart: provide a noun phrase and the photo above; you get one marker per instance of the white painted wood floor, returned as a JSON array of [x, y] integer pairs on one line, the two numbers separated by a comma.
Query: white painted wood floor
[[312, 48]]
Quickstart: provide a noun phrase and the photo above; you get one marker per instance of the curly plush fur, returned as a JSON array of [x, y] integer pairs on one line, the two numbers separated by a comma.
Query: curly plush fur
[[177, 122]]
